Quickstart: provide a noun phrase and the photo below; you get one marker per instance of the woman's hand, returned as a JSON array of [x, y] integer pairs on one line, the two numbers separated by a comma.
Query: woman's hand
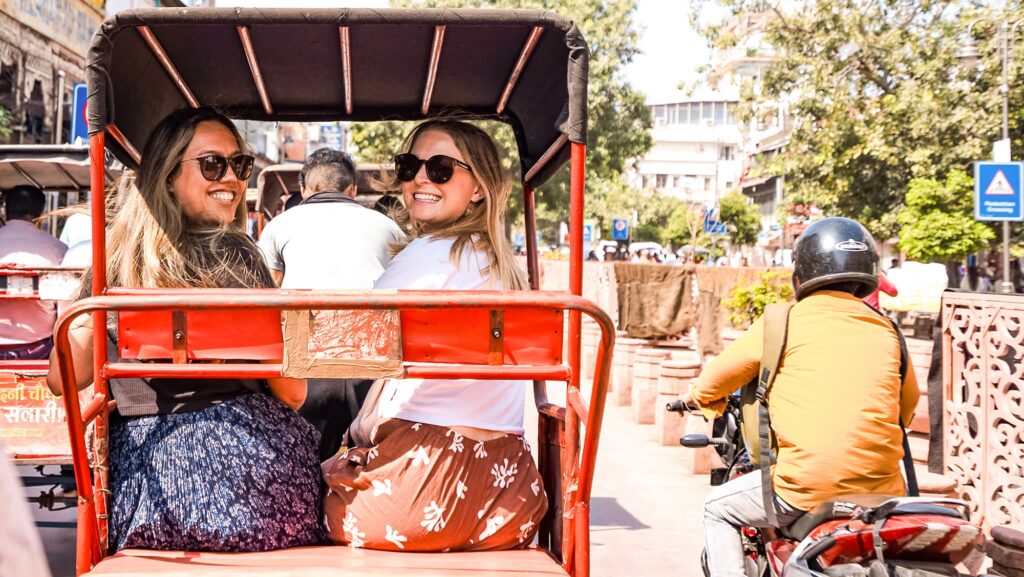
[[80, 336]]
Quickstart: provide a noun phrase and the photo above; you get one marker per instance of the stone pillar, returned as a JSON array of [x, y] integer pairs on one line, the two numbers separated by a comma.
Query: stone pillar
[[674, 378], [625, 350], [646, 370]]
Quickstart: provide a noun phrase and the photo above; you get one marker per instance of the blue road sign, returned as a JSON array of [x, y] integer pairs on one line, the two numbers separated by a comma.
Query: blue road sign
[[79, 126], [711, 223], [997, 191], [588, 232], [620, 229]]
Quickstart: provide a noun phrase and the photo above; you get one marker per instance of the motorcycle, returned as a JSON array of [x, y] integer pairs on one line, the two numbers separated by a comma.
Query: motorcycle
[[848, 536]]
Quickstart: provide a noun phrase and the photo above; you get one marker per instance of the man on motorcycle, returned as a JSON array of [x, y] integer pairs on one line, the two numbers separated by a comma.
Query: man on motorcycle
[[836, 403]]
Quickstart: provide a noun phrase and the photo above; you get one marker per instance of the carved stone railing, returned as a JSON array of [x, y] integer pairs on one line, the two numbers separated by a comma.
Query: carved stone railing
[[983, 396]]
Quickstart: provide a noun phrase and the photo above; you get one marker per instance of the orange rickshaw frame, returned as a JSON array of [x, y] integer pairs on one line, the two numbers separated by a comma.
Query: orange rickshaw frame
[[558, 427]]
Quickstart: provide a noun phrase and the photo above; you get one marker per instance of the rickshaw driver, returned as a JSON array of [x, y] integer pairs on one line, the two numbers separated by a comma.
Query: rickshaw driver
[[26, 326], [329, 241], [837, 399]]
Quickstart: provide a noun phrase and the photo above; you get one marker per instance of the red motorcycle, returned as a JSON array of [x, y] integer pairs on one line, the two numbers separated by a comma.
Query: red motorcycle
[[849, 536]]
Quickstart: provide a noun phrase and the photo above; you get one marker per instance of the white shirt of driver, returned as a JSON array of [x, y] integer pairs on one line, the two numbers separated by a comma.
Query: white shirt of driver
[[426, 264], [329, 245]]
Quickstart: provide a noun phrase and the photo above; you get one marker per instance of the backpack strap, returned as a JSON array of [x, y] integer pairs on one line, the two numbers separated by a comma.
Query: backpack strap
[[776, 326], [908, 459]]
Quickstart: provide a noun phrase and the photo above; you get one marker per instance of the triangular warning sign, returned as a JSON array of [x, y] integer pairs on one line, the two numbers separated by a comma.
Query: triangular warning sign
[[999, 186]]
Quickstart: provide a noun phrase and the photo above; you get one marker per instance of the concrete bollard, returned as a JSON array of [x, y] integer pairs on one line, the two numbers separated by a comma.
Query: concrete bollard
[[673, 379], [646, 370], [622, 366]]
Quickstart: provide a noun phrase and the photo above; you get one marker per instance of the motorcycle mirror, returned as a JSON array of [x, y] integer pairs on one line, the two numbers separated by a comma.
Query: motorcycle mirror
[[694, 441]]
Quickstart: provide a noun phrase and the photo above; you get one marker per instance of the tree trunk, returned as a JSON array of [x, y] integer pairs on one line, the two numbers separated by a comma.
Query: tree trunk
[[953, 275]]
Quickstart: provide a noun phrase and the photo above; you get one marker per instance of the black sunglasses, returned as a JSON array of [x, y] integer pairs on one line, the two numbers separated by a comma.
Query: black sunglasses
[[213, 167], [439, 167]]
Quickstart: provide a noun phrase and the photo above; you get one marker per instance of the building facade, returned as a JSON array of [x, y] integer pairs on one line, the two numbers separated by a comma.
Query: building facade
[[695, 155]]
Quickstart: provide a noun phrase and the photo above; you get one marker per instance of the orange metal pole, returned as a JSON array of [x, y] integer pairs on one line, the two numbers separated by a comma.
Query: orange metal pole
[[98, 204], [530, 216]]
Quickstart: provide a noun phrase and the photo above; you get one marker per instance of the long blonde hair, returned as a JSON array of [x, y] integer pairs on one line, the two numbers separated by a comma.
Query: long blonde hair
[[482, 225], [151, 243]]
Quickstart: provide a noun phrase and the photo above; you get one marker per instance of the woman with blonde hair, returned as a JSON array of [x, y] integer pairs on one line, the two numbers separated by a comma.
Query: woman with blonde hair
[[198, 465], [446, 468]]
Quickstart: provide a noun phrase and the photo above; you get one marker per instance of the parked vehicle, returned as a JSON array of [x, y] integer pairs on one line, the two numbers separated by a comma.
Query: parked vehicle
[[32, 420], [849, 536]]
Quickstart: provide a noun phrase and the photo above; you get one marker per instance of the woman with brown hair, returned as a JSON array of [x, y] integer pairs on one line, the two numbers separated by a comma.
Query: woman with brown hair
[[198, 465], [447, 467]]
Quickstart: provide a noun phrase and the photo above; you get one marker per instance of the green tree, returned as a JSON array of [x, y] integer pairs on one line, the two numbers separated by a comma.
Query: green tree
[[937, 223], [5, 123], [742, 219], [874, 93], [619, 120]]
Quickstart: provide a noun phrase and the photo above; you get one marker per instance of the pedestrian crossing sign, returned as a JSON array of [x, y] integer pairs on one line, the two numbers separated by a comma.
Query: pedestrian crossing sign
[[998, 194]]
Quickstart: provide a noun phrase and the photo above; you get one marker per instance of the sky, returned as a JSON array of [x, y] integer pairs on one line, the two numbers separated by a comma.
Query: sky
[[670, 51]]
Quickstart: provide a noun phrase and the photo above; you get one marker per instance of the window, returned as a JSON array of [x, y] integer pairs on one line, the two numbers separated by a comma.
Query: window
[[675, 182], [707, 183], [670, 114], [659, 114], [694, 113], [661, 181], [730, 114], [726, 153], [707, 113], [719, 113], [728, 185]]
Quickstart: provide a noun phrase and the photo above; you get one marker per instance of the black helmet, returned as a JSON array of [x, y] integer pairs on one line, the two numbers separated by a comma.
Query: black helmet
[[835, 250]]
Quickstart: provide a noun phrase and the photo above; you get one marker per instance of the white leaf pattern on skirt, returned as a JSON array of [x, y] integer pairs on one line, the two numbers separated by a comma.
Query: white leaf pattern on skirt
[[493, 524], [381, 487], [456, 446], [524, 530], [460, 490], [504, 474], [433, 518], [478, 450], [419, 455], [535, 487], [356, 536], [396, 538]]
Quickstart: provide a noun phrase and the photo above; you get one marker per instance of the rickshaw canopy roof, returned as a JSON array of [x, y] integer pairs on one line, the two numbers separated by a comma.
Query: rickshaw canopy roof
[[49, 167], [524, 67]]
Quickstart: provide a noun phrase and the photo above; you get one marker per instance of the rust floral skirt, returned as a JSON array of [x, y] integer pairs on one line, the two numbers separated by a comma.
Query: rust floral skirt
[[428, 488]]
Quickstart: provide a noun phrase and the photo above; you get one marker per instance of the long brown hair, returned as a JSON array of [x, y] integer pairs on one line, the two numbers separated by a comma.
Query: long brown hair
[[482, 225], [153, 244]]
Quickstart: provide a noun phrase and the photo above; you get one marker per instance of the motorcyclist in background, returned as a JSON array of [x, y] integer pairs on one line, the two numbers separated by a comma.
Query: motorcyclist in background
[[837, 399]]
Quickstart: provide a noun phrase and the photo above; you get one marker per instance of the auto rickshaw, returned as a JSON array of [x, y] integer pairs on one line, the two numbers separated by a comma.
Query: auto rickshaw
[[32, 420], [525, 68]]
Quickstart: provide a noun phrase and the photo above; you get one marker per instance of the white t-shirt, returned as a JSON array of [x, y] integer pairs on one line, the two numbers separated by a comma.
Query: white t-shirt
[[425, 264], [329, 245], [22, 244]]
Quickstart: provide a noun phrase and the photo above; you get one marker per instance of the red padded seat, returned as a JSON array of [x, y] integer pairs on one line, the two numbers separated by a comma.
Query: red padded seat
[[330, 561]]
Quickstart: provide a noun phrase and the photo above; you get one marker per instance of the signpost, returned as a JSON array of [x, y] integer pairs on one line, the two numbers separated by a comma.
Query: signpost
[[620, 229], [79, 125], [997, 191], [588, 232]]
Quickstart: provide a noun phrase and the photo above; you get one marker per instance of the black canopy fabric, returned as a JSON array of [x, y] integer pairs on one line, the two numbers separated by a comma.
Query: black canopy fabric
[[299, 54]]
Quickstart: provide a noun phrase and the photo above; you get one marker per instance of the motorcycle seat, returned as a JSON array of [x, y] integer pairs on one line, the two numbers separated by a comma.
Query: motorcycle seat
[[883, 506], [838, 508]]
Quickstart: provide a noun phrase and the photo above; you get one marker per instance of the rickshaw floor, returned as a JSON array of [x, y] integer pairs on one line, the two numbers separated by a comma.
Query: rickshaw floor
[[328, 562]]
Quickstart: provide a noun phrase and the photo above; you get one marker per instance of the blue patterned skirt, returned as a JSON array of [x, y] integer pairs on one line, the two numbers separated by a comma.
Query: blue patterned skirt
[[239, 476]]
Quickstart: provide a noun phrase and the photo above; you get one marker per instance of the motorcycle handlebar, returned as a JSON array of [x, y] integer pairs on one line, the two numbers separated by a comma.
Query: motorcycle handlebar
[[679, 407]]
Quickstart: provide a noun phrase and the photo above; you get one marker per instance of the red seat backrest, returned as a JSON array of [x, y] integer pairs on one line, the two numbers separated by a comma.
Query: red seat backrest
[[209, 335], [464, 336]]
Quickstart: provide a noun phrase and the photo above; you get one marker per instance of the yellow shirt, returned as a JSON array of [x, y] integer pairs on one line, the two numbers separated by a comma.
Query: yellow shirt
[[836, 401]]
